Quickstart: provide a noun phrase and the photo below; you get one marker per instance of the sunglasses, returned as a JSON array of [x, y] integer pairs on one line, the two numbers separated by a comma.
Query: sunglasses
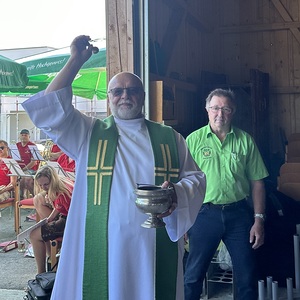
[[2, 147], [131, 91]]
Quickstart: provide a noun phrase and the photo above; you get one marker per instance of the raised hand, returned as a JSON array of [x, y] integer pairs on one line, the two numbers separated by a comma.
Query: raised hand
[[82, 49]]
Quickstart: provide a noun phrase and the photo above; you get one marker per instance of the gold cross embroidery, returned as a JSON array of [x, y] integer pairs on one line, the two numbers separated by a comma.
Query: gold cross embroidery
[[99, 170], [167, 170]]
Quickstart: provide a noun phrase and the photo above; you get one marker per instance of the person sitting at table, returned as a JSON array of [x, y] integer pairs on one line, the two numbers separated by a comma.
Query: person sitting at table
[[67, 163], [28, 165], [55, 152], [7, 183], [52, 201]]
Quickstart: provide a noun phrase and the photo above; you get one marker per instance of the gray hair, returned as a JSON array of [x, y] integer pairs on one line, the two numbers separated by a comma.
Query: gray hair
[[228, 94]]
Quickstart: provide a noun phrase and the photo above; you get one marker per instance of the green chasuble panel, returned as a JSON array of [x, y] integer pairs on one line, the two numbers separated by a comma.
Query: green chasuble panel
[[102, 151], [166, 168]]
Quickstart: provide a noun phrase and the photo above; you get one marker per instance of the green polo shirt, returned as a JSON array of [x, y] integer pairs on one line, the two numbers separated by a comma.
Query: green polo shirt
[[229, 166]]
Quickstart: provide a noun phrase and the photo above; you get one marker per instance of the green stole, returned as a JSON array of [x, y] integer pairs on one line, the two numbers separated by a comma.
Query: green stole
[[101, 159]]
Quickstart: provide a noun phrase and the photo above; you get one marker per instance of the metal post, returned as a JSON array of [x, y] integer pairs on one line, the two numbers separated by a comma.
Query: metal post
[[274, 290], [289, 288], [261, 290], [17, 118], [297, 261], [145, 54], [269, 287]]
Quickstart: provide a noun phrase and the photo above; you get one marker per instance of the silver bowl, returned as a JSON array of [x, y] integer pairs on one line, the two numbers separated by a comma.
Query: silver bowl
[[153, 200]]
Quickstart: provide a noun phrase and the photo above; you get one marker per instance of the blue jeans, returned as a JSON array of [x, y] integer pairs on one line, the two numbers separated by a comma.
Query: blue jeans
[[231, 224]]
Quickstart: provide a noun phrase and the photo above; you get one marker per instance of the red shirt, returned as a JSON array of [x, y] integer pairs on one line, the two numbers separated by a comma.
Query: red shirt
[[26, 155], [4, 171], [55, 149], [62, 202], [67, 163]]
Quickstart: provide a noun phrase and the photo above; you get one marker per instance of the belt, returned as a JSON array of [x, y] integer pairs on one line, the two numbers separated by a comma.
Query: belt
[[232, 205]]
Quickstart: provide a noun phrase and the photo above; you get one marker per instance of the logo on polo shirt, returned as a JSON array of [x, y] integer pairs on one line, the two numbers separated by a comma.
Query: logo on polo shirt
[[206, 152]]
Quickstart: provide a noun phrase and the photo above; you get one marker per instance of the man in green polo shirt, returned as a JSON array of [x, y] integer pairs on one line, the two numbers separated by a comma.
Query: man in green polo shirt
[[235, 171]]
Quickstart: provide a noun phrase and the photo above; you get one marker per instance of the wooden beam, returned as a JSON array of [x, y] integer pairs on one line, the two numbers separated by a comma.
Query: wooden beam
[[286, 17], [191, 17], [182, 85], [119, 32], [285, 90], [171, 35], [258, 27], [179, 12], [282, 10]]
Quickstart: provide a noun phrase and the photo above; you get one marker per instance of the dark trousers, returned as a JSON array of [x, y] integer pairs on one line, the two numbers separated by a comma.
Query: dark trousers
[[232, 224]]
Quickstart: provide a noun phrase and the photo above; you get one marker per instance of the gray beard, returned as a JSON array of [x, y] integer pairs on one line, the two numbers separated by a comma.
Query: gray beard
[[127, 114]]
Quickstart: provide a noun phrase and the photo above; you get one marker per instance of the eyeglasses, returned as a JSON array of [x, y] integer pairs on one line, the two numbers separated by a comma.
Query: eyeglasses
[[226, 110], [2, 147], [131, 91]]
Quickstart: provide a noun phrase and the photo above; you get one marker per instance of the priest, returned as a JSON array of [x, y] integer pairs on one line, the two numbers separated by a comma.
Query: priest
[[106, 253]]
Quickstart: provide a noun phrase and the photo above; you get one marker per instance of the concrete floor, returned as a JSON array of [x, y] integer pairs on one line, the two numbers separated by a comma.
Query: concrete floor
[[19, 269], [11, 294], [16, 269]]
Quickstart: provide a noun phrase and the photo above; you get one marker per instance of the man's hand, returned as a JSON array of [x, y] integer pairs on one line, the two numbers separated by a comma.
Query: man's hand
[[257, 234], [82, 49], [165, 185]]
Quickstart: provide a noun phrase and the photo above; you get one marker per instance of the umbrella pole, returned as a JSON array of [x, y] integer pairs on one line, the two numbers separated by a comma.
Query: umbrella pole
[[17, 118], [75, 101], [93, 111]]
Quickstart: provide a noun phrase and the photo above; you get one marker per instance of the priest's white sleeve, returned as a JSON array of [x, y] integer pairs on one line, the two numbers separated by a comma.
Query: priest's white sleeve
[[190, 191], [64, 124]]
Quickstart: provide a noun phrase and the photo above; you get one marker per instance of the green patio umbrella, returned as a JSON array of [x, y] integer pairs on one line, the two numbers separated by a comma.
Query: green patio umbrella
[[12, 75], [90, 82]]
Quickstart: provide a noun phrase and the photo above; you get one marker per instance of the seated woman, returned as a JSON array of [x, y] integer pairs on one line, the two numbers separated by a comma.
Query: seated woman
[[7, 183], [52, 201], [55, 153]]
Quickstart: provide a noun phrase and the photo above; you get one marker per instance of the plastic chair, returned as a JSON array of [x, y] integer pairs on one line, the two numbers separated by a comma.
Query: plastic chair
[[291, 189], [289, 168], [289, 180]]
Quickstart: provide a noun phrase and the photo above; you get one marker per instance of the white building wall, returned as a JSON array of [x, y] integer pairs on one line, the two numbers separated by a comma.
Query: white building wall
[[13, 118]]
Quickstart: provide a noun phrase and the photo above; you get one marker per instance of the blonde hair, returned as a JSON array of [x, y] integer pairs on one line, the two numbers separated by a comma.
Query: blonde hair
[[58, 185]]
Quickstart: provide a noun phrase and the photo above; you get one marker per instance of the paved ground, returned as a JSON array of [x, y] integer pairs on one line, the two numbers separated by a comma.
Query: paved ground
[[16, 269], [11, 294]]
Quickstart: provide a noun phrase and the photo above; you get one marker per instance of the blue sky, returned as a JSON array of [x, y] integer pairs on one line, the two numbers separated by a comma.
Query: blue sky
[[35, 23]]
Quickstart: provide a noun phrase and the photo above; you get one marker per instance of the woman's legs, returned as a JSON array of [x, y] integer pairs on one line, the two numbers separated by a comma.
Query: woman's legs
[[40, 248], [41, 206]]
